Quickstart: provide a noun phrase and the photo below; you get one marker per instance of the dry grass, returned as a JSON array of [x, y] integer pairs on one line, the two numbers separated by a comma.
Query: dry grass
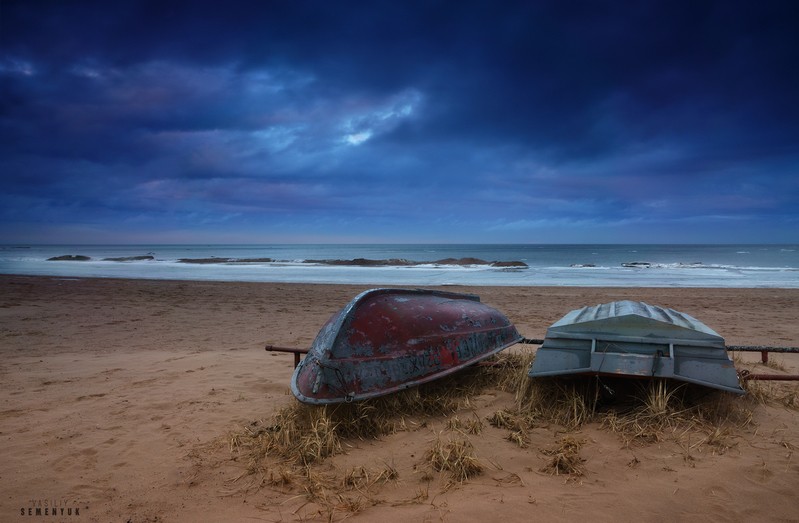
[[517, 423], [761, 392], [567, 402], [455, 456], [780, 393], [640, 412], [664, 409], [790, 397], [362, 479], [775, 363], [565, 458], [306, 434], [301, 436], [466, 426], [284, 451]]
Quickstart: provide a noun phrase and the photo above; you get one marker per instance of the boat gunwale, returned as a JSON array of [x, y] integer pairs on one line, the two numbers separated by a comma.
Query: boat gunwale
[[588, 372], [634, 339]]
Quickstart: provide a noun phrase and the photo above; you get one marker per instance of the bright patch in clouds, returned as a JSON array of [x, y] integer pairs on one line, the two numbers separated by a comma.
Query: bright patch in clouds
[[358, 138], [367, 118]]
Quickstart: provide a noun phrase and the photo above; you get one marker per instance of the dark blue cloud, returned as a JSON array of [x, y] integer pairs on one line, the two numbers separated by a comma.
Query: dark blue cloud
[[399, 121]]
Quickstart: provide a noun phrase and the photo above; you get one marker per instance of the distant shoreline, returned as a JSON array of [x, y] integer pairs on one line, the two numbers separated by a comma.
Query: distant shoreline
[[706, 266]]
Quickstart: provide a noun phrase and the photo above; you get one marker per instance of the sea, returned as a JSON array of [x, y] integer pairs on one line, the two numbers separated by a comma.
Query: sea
[[723, 265]]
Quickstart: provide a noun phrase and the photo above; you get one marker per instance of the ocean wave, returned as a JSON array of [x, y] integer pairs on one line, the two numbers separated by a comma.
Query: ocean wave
[[214, 259], [355, 262], [464, 263], [652, 265], [708, 266], [401, 262], [676, 266]]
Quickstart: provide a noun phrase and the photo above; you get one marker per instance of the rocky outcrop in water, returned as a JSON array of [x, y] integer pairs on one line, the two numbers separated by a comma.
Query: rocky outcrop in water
[[205, 260], [254, 260], [637, 265], [366, 262], [130, 258], [70, 257], [225, 260], [510, 264]]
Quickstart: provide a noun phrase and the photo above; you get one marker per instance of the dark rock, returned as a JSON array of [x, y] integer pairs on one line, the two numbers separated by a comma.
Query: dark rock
[[255, 260], [461, 261], [206, 260], [69, 257], [130, 258], [519, 264], [637, 265]]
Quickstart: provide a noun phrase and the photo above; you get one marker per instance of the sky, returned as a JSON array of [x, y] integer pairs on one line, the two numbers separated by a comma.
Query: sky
[[399, 122]]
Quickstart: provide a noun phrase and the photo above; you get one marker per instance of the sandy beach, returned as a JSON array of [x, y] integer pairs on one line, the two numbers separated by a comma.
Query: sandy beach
[[119, 398]]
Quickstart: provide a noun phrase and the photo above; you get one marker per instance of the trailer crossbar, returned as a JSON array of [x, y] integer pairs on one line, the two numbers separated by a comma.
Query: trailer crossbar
[[297, 352], [762, 349], [746, 375]]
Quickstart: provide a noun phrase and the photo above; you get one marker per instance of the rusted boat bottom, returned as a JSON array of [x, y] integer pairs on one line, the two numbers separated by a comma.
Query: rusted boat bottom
[[386, 340]]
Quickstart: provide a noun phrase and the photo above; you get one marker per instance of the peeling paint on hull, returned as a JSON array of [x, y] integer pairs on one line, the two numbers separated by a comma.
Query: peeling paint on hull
[[386, 340]]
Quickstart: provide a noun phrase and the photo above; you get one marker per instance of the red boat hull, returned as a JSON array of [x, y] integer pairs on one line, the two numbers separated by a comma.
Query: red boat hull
[[386, 340]]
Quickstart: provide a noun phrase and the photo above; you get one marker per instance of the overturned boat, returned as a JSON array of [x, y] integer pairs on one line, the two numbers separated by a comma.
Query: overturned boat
[[386, 340], [632, 338]]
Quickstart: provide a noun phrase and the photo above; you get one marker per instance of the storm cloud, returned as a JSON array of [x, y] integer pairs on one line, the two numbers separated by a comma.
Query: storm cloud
[[399, 121]]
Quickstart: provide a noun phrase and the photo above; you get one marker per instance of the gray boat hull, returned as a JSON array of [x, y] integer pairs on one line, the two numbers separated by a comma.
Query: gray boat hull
[[637, 340]]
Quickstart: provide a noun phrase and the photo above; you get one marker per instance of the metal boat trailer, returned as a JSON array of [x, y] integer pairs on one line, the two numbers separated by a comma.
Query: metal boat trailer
[[745, 374], [764, 350]]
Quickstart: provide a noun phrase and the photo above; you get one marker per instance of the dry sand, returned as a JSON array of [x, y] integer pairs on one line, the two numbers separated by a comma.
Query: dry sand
[[118, 398]]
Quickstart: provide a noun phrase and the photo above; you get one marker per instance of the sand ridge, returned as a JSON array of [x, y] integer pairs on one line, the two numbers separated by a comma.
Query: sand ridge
[[118, 397]]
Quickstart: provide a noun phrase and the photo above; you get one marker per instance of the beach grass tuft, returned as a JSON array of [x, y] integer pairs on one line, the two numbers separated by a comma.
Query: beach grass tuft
[[663, 409], [286, 450], [565, 458], [455, 456], [765, 392], [567, 402], [639, 411], [466, 426], [307, 434]]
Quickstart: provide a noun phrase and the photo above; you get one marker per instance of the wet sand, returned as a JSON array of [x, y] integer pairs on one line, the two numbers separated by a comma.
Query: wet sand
[[118, 398]]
